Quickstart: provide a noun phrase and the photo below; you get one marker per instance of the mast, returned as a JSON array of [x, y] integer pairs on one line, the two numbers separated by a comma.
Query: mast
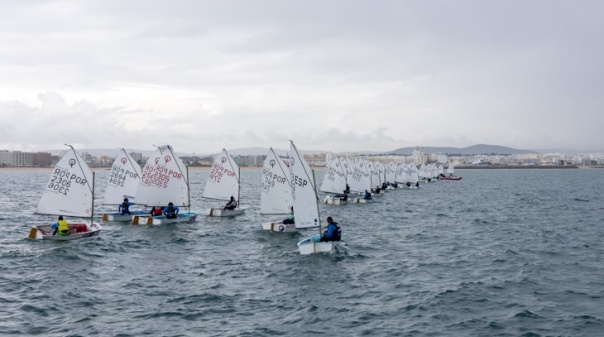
[[316, 199], [92, 208], [238, 186], [188, 190]]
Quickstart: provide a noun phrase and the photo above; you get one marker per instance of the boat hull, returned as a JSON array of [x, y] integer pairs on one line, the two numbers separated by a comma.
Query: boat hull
[[311, 245], [361, 201], [219, 212], [279, 227], [161, 220], [334, 200], [450, 178], [78, 231], [119, 217]]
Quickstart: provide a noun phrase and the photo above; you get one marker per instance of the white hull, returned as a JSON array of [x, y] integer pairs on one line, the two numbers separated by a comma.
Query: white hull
[[361, 201], [119, 217], [225, 212], [311, 245], [279, 227], [78, 231], [333, 201], [161, 220]]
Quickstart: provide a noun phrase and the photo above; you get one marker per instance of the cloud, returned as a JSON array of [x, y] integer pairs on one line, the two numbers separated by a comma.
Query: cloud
[[346, 77]]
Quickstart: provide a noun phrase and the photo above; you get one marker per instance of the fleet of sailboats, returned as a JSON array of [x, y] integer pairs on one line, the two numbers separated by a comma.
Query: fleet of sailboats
[[287, 187]]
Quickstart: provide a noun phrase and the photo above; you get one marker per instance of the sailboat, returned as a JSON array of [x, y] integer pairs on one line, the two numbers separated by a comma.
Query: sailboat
[[360, 181], [450, 173], [123, 183], [69, 193], [306, 203], [222, 183], [165, 179], [276, 192], [334, 181]]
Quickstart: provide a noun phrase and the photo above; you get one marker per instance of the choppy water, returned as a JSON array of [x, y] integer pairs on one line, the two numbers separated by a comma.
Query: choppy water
[[499, 253]]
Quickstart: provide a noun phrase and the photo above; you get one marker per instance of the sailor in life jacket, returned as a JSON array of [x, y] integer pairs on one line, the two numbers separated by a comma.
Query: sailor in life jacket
[[124, 207], [231, 205], [155, 211], [171, 212], [60, 226], [333, 232]]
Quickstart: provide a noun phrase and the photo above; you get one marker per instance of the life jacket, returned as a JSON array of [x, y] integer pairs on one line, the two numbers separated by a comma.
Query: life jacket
[[125, 206], [170, 210], [63, 227], [337, 233], [156, 211]]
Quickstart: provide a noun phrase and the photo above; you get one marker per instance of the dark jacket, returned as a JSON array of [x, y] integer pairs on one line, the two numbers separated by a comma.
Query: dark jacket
[[333, 232]]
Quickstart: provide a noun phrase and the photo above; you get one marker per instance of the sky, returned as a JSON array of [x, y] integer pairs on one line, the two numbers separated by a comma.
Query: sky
[[330, 75]]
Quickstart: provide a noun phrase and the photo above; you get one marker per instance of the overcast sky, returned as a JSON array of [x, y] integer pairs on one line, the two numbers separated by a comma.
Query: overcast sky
[[330, 75]]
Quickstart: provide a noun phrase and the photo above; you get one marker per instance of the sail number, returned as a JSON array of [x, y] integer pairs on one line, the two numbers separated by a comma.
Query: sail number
[[119, 175], [159, 176], [218, 172], [61, 181], [270, 179]]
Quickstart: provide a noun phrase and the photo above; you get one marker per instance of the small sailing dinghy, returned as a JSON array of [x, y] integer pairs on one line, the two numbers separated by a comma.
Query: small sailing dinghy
[[223, 183], [360, 181], [306, 203], [69, 193], [334, 181], [164, 180], [124, 180], [276, 193], [450, 173]]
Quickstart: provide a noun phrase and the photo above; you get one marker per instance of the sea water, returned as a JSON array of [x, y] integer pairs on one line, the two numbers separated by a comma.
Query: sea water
[[498, 253]]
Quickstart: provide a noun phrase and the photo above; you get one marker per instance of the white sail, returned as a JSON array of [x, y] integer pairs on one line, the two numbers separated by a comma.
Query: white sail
[[223, 180], [334, 179], [124, 179], [360, 180], [164, 179], [304, 192], [374, 174], [276, 190], [391, 172], [400, 173], [451, 169], [70, 189], [413, 173], [348, 168]]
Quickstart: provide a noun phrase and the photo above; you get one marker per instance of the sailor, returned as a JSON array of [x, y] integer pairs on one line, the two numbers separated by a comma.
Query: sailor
[[367, 195], [156, 211], [290, 219], [60, 226], [171, 212], [124, 207], [231, 205], [333, 232]]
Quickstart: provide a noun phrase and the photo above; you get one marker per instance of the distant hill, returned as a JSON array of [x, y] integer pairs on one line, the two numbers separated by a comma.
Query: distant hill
[[251, 151], [465, 151]]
